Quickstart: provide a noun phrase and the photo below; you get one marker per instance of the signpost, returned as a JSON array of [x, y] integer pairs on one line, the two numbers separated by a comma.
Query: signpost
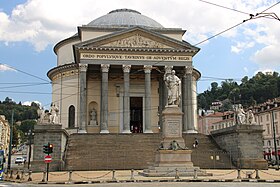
[[48, 159], [47, 149]]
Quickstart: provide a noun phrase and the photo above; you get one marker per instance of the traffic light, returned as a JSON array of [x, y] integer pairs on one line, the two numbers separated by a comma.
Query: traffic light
[[48, 148]]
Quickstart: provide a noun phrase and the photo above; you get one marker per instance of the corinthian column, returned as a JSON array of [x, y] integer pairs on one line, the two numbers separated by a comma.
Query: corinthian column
[[148, 108], [104, 99], [83, 97], [188, 117], [126, 104]]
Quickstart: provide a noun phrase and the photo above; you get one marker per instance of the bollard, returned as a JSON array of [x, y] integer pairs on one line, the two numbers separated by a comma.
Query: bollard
[[238, 174], [22, 175], [113, 176], [44, 176], [11, 174], [177, 174], [70, 176], [18, 177], [132, 175], [195, 174], [29, 176], [257, 174]]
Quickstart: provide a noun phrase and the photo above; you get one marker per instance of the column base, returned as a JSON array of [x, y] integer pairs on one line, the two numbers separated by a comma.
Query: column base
[[126, 132], [191, 132], [82, 131], [104, 132], [148, 131]]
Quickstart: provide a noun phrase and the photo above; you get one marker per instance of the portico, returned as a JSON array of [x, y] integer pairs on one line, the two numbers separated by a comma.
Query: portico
[[118, 74]]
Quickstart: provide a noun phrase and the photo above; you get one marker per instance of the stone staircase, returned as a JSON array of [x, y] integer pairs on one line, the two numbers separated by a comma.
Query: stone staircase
[[134, 151], [207, 155]]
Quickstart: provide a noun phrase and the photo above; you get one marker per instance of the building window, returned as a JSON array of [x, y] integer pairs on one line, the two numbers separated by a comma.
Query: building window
[[277, 142], [275, 115], [261, 119], [71, 117], [276, 127], [268, 128], [267, 117], [268, 143]]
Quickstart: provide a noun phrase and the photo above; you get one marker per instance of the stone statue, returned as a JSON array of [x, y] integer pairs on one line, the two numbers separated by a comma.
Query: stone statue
[[173, 84], [54, 113], [250, 118], [41, 114], [241, 115], [93, 118]]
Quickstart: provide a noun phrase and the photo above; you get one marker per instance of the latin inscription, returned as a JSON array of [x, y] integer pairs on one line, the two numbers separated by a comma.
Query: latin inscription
[[134, 57], [173, 128]]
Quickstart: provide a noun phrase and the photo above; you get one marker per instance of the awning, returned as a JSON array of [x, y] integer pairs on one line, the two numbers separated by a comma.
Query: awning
[[266, 153], [273, 152]]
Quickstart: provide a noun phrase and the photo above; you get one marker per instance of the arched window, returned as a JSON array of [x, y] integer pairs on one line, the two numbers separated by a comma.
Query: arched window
[[71, 117]]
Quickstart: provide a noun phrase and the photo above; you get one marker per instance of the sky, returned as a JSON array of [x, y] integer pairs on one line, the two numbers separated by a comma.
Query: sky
[[29, 29]]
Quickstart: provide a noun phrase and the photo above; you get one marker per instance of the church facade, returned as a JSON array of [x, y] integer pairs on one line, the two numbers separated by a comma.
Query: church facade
[[109, 76]]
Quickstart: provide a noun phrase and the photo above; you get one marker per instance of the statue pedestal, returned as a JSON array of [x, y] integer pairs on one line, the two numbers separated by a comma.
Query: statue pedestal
[[172, 154]]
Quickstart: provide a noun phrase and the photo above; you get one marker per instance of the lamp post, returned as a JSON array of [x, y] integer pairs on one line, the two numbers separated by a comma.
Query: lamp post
[[29, 134], [274, 139]]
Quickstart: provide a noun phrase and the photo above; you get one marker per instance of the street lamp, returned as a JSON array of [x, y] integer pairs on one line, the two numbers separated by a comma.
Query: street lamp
[[29, 134]]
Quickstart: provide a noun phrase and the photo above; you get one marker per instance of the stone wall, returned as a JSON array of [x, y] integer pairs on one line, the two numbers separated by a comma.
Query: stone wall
[[244, 143], [54, 134]]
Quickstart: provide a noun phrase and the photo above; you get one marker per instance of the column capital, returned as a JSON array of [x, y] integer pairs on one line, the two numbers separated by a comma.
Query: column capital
[[83, 67], [168, 69], [105, 68], [148, 68], [126, 68], [188, 70]]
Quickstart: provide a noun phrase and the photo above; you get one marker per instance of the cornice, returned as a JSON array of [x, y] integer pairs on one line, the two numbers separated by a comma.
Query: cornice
[[62, 69], [122, 49]]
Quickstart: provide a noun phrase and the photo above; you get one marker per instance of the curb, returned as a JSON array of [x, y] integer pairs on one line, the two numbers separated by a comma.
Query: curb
[[157, 180]]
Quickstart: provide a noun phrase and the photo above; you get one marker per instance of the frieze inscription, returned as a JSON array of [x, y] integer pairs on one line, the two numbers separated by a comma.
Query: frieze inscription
[[92, 56]]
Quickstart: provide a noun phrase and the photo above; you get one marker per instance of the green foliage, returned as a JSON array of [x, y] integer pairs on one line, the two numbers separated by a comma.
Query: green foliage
[[258, 89], [24, 114]]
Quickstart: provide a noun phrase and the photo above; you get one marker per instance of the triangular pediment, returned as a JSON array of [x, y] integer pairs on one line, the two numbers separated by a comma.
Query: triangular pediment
[[136, 38], [137, 41]]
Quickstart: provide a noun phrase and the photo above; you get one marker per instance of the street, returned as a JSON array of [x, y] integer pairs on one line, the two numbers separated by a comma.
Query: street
[[152, 184]]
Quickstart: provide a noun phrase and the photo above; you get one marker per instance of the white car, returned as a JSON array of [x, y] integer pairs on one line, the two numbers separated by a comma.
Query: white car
[[19, 160]]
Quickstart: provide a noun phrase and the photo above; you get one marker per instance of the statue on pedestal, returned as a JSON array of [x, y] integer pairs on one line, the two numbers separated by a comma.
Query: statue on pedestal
[[93, 118], [173, 84], [41, 114], [54, 114]]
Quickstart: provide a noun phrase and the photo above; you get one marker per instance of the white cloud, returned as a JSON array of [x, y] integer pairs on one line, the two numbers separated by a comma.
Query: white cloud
[[28, 103], [240, 46], [268, 56], [4, 67]]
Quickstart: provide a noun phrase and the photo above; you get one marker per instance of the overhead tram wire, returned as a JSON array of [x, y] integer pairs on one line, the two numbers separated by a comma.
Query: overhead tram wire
[[25, 72], [221, 6]]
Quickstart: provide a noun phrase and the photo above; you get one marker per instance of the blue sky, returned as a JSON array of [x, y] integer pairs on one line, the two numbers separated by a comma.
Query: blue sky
[[30, 29]]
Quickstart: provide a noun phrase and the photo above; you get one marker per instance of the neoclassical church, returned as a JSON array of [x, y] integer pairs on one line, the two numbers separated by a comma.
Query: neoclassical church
[[109, 76]]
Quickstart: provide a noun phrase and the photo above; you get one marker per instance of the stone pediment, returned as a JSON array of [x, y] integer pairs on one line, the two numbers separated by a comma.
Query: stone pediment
[[137, 38], [136, 41]]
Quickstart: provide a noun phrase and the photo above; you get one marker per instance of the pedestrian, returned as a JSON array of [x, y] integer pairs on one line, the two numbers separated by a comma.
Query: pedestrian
[[195, 143]]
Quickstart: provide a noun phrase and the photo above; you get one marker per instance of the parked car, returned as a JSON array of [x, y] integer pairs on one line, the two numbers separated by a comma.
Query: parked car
[[19, 160]]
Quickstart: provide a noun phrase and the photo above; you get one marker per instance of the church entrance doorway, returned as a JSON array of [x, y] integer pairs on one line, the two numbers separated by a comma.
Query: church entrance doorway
[[136, 114]]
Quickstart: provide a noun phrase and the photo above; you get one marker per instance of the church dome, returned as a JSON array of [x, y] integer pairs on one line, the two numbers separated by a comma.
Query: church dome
[[124, 18]]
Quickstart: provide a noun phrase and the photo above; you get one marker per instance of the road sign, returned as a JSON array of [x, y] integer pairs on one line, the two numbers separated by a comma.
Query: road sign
[[48, 159]]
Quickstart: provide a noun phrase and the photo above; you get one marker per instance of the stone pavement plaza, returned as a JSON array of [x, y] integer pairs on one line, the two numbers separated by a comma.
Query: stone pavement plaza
[[80, 177]]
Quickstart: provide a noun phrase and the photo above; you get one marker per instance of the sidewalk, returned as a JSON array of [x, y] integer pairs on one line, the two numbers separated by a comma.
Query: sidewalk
[[79, 177]]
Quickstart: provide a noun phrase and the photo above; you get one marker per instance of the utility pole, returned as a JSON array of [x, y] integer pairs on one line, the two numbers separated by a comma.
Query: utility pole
[[11, 141], [274, 138]]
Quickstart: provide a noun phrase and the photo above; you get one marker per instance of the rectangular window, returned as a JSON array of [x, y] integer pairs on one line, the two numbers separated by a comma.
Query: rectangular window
[[267, 128], [267, 117], [275, 115], [276, 127], [261, 119]]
